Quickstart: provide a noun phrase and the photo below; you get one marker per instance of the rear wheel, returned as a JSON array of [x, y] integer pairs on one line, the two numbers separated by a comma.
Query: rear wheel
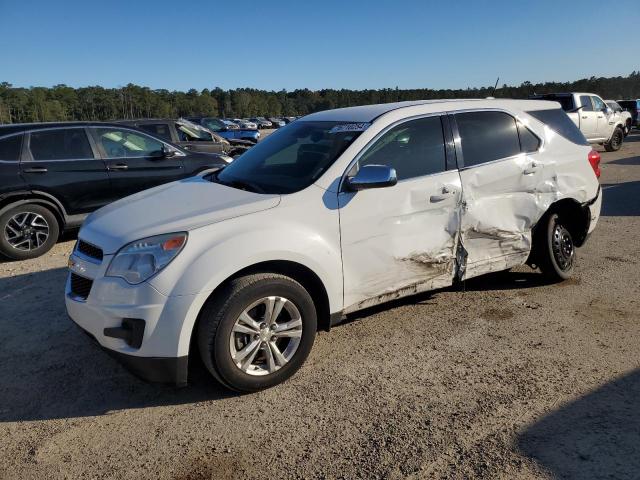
[[257, 331], [555, 250], [27, 231], [614, 144]]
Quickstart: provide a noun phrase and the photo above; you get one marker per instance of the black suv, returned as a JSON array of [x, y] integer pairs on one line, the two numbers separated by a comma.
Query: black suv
[[190, 136], [52, 175]]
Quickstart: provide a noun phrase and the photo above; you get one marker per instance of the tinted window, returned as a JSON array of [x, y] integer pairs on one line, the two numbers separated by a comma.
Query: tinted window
[[565, 101], [119, 143], [585, 101], [560, 123], [528, 140], [214, 124], [629, 105], [60, 144], [10, 148], [159, 129], [413, 148], [487, 136]]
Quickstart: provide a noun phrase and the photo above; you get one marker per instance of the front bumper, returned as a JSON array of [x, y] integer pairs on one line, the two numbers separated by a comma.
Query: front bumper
[[161, 350]]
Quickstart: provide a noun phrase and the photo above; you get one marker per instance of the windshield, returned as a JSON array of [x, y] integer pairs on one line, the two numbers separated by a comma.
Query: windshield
[[292, 158]]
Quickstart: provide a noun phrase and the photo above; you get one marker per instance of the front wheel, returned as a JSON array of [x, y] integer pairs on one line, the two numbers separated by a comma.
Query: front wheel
[[555, 250], [614, 144], [257, 331]]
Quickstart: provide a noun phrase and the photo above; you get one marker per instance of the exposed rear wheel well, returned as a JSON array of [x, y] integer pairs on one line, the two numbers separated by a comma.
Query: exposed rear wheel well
[[574, 216]]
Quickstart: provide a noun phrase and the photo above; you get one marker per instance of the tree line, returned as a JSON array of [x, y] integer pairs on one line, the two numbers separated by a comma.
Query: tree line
[[64, 103]]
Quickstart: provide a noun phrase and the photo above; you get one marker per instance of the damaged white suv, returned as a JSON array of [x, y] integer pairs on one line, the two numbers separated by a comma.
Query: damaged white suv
[[336, 212]]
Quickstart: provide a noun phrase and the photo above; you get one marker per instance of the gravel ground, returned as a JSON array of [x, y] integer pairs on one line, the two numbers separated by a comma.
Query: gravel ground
[[508, 378]]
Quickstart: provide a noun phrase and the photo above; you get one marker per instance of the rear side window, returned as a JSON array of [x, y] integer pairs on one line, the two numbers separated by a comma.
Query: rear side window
[[159, 129], [487, 136], [560, 123], [10, 148], [528, 141], [60, 144], [585, 101], [413, 148]]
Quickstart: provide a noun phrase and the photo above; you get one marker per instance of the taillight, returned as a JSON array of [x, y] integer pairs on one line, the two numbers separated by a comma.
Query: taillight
[[594, 160]]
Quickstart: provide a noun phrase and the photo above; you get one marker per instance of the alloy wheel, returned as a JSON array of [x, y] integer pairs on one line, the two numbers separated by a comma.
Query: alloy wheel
[[266, 335], [26, 231]]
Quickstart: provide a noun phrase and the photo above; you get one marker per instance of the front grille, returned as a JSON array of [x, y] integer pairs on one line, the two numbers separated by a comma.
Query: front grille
[[89, 250], [80, 286]]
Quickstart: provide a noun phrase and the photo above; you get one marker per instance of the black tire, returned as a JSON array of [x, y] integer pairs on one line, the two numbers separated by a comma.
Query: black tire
[[615, 142], [627, 128], [555, 252], [7, 225], [220, 313]]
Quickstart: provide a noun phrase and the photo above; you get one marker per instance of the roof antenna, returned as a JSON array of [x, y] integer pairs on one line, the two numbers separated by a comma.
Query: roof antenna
[[493, 92]]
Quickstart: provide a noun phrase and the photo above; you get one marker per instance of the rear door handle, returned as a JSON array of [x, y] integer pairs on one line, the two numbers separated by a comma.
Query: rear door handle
[[35, 170], [585, 117], [446, 193], [531, 169], [119, 166]]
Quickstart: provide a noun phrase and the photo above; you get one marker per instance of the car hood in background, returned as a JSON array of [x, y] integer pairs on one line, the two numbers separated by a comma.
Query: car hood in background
[[174, 207]]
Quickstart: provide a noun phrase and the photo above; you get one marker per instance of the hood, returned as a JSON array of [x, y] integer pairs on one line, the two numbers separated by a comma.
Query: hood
[[173, 207]]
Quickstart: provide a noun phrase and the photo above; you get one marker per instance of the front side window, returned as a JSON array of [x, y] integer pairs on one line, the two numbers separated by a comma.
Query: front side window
[[60, 144], [290, 159], [122, 143], [159, 129], [598, 104], [187, 134], [585, 101], [10, 148], [214, 124], [413, 148], [487, 136]]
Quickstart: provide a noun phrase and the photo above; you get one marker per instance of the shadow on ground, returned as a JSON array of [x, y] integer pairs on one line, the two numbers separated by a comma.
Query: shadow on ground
[[50, 369], [596, 436], [621, 199]]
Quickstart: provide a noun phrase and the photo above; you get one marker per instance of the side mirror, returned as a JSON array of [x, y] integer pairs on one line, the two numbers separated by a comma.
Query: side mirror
[[607, 110], [168, 152], [372, 176]]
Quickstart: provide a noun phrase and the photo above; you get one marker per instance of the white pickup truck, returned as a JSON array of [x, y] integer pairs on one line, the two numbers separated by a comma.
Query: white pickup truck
[[597, 122]]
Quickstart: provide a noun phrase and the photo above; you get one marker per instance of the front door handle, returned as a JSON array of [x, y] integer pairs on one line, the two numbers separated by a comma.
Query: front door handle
[[585, 117], [118, 166], [35, 170]]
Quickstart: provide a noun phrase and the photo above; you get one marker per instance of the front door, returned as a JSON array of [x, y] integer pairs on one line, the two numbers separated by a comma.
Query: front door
[[588, 118], [401, 240], [499, 169], [135, 161], [62, 163], [605, 120]]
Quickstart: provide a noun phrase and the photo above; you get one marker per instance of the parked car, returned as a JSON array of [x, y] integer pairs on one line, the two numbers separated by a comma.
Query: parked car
[[190, 136], [342, 210], [231, 125], [220, 128], [53, 174], [592, 116], [622, 115], [632, 106], [277, 122], [261, 122], [242, 123], [288, 119]]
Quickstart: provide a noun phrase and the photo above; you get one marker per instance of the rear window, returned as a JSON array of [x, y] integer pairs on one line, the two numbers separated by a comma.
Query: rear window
[[60, 144], [559, 122], [565, 101], [10, 148]]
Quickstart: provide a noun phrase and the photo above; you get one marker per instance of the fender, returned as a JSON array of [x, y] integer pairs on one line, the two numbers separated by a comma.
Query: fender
[[21, 197]]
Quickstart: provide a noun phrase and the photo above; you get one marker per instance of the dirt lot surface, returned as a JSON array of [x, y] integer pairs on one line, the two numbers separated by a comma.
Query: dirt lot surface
[[510, 378]]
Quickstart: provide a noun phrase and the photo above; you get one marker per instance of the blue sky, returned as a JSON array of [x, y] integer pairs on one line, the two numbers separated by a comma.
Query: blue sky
[[274, 44]]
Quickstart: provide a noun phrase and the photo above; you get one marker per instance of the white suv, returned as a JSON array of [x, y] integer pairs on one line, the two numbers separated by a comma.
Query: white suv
[[336, 212]]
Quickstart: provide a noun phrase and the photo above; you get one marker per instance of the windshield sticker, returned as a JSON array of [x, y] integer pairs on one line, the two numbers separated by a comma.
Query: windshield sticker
[[350, 127]]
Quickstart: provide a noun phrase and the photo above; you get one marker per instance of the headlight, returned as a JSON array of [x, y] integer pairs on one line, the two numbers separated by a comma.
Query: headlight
[[139, 260]]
